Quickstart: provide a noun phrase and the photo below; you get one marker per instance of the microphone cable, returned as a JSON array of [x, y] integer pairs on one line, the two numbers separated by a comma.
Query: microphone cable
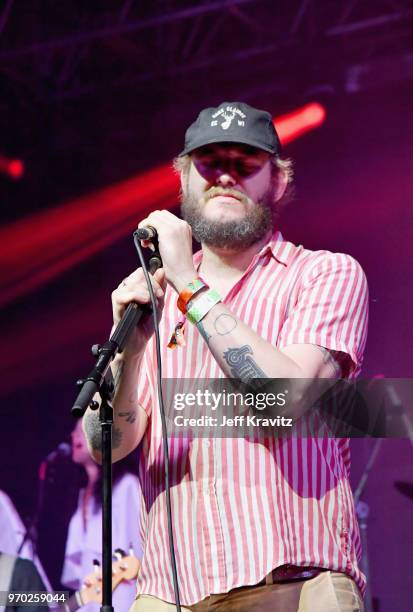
[[163, 418]]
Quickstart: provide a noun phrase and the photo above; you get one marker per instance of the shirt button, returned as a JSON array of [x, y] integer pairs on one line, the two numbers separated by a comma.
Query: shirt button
[[207, 443]]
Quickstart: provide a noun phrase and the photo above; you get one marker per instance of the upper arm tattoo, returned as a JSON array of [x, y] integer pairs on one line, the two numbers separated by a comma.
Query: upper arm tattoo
[[242, 364], [129, 415]]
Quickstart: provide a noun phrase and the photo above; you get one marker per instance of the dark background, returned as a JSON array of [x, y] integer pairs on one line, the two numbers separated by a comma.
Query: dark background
[[94, 93]]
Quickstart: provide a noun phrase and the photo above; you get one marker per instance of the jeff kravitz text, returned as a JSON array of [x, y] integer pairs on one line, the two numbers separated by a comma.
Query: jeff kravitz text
[[234, 403]]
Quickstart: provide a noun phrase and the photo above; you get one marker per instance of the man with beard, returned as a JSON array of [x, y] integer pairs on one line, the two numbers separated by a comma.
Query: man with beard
[[258, 525]]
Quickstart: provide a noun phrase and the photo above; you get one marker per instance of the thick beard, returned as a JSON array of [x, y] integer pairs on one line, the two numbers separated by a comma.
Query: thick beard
[[231, 235]]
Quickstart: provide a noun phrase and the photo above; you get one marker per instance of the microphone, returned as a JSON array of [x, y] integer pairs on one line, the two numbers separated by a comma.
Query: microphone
[[146, 233], [149, 233], [62, 450]]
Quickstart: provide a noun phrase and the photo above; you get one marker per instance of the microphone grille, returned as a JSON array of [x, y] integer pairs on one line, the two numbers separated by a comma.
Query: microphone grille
[[64, 449]]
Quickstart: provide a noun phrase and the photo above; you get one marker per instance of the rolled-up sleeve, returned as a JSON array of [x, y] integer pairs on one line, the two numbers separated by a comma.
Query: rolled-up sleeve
[[331, 307]]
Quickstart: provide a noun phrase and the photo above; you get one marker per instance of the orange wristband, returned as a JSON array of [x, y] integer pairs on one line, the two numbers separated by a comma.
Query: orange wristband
[[188, 293]]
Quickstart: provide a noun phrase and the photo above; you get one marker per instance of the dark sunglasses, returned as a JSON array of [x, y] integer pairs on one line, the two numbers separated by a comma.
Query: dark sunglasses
[[213, 166]]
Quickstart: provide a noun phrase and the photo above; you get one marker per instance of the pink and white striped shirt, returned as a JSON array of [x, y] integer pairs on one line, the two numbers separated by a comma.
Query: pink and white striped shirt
[[241, 509]]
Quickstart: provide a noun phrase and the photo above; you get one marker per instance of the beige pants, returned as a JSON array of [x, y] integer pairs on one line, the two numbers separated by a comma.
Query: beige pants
[[327, 592]]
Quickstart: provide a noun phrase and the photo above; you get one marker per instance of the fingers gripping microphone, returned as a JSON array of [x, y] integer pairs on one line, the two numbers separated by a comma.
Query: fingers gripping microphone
[[147, 233]]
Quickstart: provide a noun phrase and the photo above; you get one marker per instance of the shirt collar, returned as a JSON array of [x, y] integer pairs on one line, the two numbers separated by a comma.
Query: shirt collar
[[280, 249]]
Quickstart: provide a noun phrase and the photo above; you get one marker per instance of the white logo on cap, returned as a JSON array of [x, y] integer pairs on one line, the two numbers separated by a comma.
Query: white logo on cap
[[228, 113]]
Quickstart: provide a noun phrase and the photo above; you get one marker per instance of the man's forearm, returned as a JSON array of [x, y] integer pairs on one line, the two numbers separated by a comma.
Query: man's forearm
[[243, 354], [129, 418], [240, 351]]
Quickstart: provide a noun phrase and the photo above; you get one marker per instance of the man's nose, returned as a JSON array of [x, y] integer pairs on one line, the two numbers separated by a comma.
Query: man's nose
[[225, 179]]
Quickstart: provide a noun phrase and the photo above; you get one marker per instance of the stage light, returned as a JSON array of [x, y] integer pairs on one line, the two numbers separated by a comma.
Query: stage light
[[295, 124], [13, 168], [16, 169]]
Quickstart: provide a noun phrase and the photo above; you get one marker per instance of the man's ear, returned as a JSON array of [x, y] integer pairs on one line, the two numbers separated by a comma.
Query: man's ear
[[184, 181], [281, 184]]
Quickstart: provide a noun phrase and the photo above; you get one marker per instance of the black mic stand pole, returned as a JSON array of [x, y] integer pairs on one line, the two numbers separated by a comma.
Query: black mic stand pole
[[100, 380]]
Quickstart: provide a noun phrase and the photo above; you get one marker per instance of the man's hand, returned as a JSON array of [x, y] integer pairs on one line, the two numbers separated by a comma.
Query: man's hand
[[175, 247], [134, 289]]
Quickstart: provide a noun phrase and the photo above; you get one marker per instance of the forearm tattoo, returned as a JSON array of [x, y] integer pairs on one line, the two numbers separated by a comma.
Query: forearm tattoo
[[206, 336], [242, 364], [224, 324]]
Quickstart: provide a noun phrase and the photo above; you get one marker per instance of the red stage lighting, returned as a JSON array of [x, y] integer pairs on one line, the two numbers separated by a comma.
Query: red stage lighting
[[295, 124], [16, 169], [43, 245], [13, 168]]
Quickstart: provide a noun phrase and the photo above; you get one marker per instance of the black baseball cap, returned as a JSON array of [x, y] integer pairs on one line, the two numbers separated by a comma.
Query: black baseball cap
[[233, 122]]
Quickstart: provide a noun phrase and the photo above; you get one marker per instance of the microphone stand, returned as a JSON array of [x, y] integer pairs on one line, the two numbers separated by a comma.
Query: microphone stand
[[31, 531], [31, 534], [100, 380]]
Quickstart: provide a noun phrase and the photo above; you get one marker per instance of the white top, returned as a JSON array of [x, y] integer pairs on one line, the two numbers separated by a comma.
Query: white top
[[85, 545], [12, 532]]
